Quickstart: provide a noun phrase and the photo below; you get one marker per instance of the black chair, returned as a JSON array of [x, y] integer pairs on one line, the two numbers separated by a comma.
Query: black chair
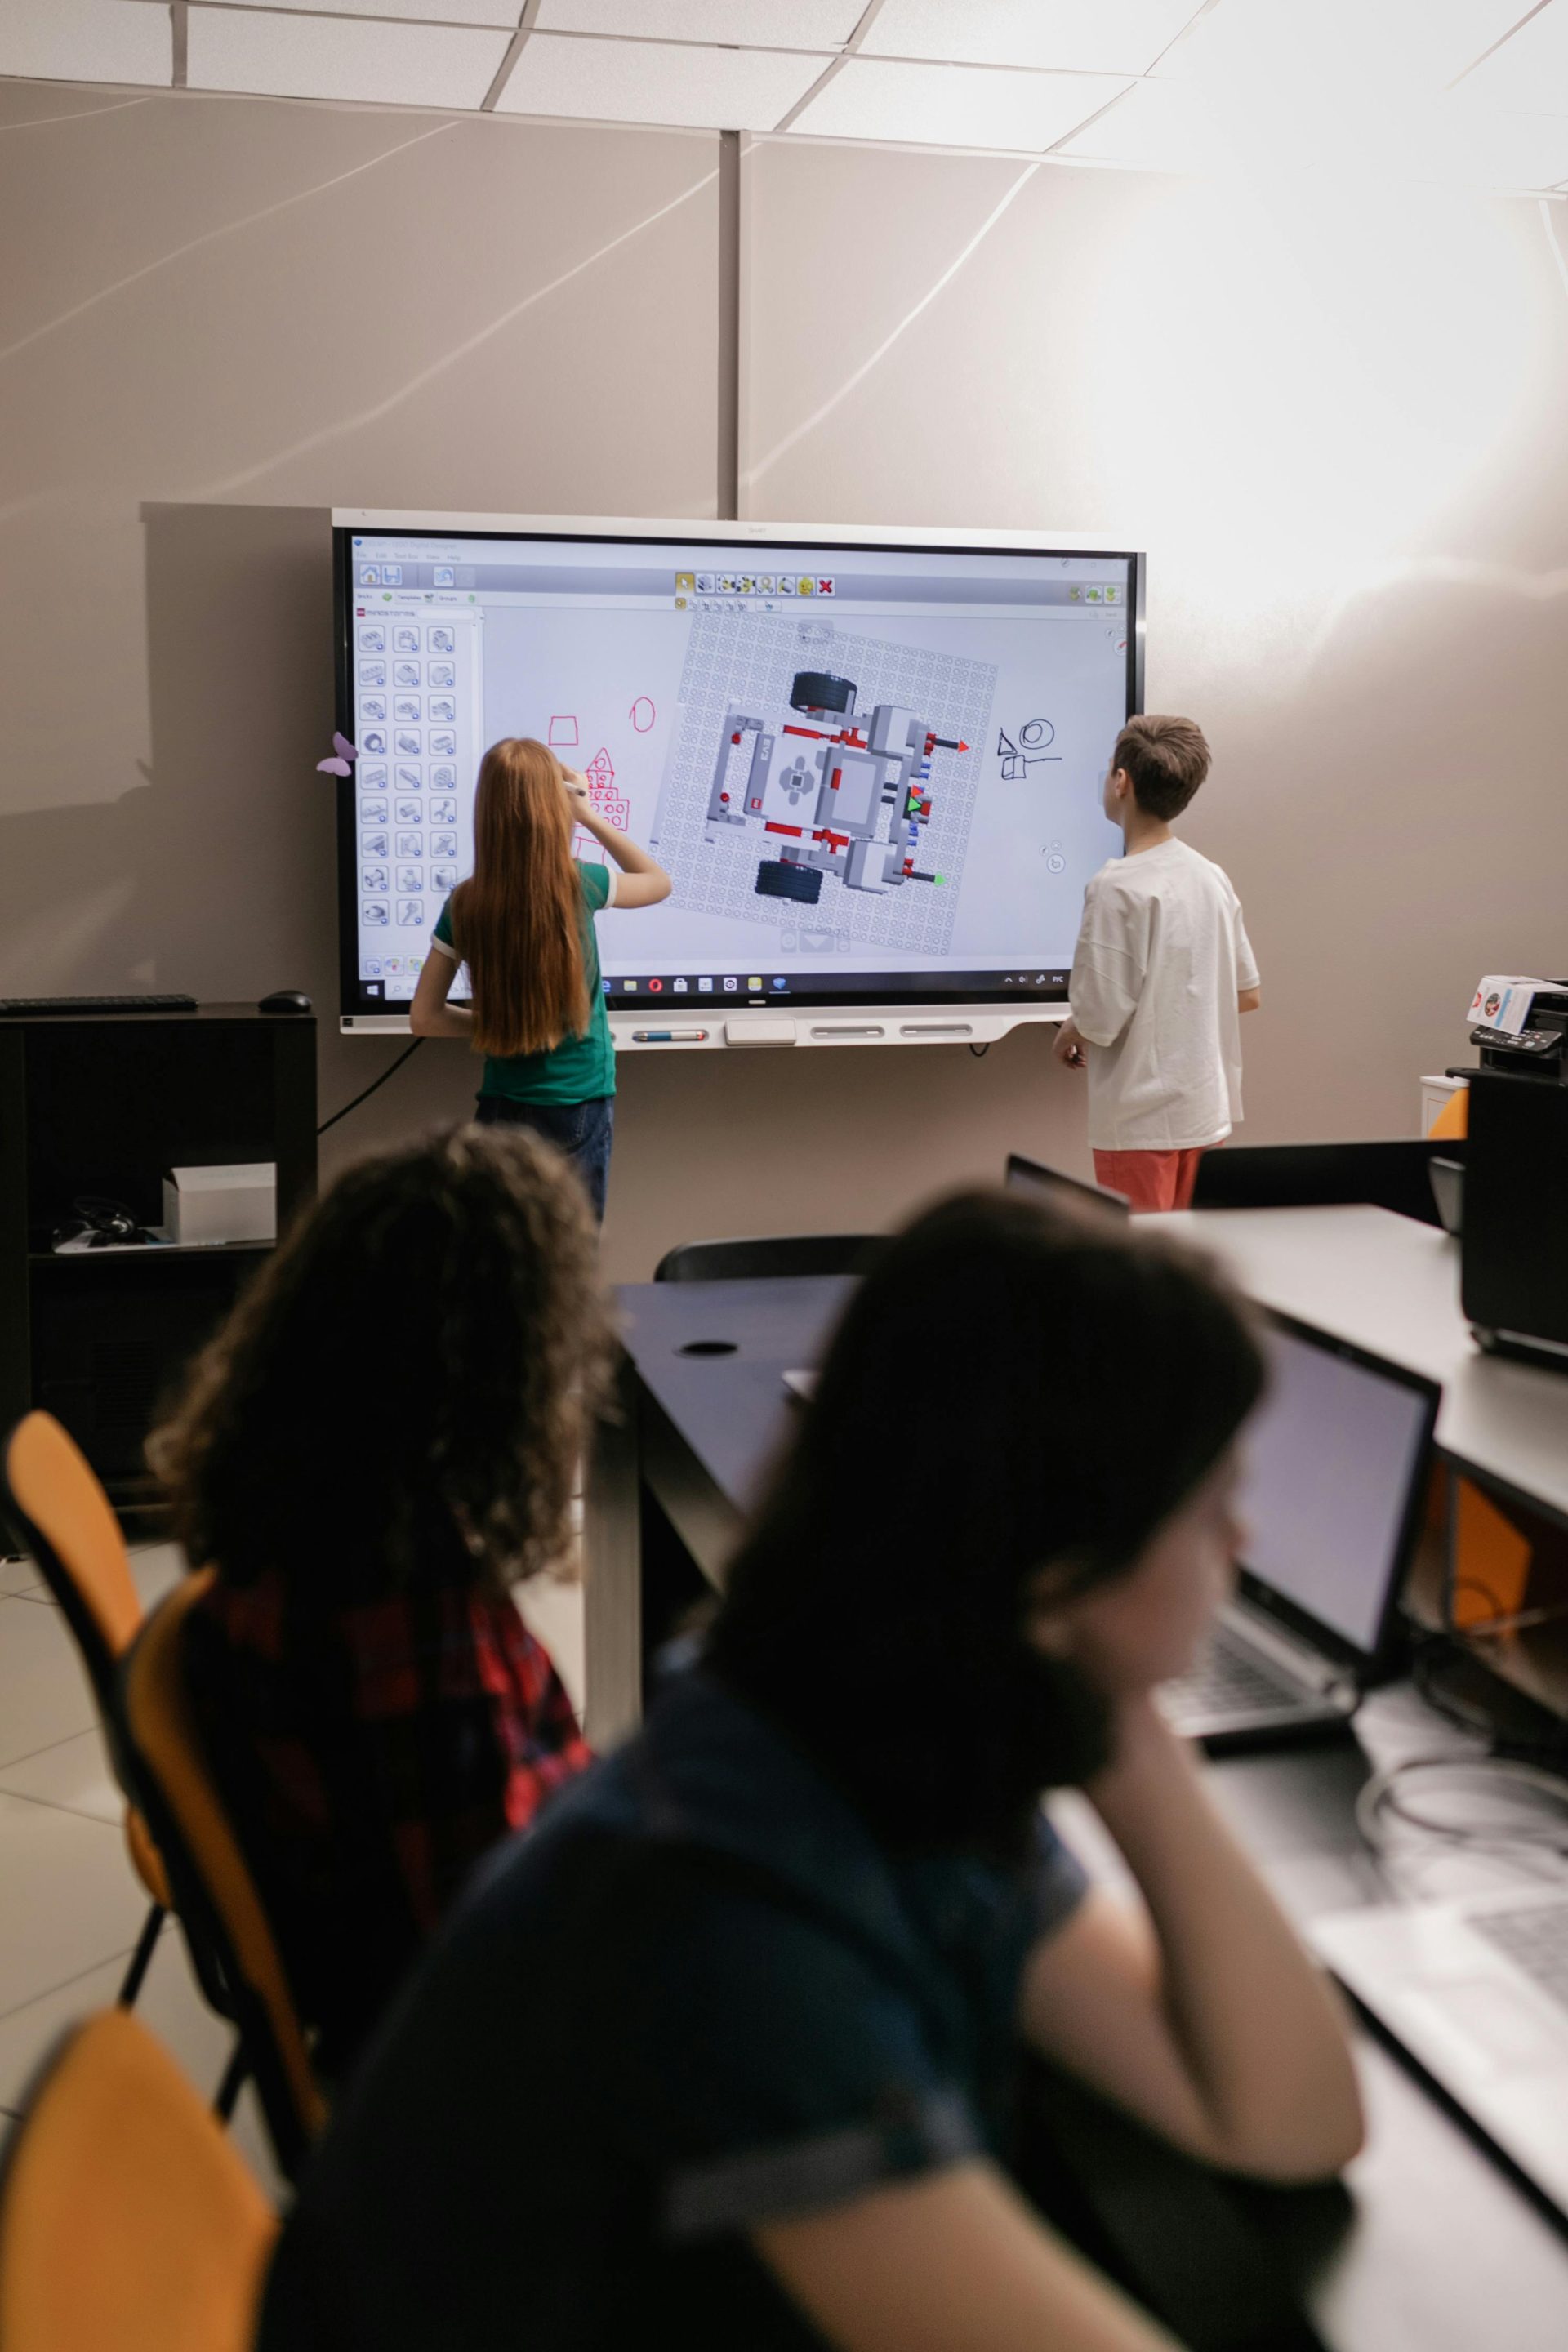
[[758, 1260], [1325, 1175]]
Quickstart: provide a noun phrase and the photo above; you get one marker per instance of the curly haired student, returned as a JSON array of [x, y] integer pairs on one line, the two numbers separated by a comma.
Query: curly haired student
[[379, 1443]]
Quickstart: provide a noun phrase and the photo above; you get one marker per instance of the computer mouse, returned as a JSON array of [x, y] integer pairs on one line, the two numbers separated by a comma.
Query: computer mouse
[[286, 999]]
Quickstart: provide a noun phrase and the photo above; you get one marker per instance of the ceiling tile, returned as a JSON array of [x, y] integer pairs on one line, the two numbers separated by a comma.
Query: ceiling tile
[[654, 81], [86, 40], [1531, 70], [1511, 150], [321, 57], [1165, 127], [1156, 127], [1082, 35], [1417, 46], [955, 106], [752, 24], [444, 12]]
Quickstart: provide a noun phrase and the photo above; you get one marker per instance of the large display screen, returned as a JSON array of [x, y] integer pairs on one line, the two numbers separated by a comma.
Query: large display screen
[[872, 770]]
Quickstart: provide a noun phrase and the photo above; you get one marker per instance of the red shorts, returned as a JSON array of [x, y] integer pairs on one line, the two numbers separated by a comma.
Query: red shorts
[[1151, 1179]]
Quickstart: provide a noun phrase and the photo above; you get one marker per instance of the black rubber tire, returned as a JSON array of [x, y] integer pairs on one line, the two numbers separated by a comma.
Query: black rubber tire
[[803, 884], [818, 690]]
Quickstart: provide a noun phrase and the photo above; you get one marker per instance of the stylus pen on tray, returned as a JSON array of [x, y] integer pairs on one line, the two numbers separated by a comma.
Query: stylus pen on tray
[[668, 1037]]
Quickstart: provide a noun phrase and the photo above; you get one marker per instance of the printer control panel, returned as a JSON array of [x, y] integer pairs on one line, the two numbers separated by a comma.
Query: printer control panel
[[1519, 1041]]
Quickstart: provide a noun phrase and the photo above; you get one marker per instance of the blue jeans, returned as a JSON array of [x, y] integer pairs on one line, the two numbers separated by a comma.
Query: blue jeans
[[582, 1131]]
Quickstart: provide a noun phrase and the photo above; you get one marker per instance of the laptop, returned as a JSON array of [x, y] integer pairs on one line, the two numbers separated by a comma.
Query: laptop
[[1034, 1176], [1332, 1496], [1476, 1992]]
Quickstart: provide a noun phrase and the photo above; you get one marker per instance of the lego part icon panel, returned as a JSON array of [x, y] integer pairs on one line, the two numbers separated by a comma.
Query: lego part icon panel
[[871, 767]]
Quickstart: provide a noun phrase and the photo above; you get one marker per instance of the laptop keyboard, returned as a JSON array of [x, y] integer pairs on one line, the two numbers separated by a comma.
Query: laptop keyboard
[[1535, 1939], [1223, 1682]]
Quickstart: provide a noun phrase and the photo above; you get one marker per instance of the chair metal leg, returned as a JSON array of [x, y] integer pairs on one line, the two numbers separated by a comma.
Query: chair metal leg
[[141, 1959], [234, 2077]]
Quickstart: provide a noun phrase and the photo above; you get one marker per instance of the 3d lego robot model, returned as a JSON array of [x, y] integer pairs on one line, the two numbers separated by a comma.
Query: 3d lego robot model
[[840, 794]]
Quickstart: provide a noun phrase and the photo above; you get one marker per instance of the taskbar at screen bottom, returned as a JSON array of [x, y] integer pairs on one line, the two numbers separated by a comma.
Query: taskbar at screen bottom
[[624, 993]]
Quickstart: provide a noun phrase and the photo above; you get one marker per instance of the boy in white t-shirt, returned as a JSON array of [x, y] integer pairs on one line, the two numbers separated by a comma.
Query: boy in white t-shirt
[[1162, 972]]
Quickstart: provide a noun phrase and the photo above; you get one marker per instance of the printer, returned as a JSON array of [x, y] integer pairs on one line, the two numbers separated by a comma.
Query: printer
[[1521, 1027], [1515, 1261]]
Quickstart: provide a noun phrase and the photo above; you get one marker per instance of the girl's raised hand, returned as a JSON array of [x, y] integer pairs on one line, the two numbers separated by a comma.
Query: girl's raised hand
[[576, 785]]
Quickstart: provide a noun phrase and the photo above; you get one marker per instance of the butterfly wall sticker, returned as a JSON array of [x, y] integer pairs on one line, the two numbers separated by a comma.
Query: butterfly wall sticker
[[345, 753]]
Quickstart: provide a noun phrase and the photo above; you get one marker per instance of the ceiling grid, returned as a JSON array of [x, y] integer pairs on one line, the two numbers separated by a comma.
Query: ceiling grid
[[1473, 89]]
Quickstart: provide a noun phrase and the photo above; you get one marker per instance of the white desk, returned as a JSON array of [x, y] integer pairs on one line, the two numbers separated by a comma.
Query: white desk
[[1392, 1285]]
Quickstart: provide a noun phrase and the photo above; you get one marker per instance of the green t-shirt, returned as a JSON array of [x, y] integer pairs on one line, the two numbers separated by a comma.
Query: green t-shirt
[[580, 1069]]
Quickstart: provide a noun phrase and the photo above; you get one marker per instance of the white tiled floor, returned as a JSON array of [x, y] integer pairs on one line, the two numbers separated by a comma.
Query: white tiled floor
[[70, 1905]]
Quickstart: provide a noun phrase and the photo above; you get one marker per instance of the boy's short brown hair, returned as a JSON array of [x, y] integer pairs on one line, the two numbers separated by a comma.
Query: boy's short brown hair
[[1166, 759]]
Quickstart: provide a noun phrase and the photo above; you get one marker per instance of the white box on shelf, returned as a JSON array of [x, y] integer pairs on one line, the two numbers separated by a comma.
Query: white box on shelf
[[235, 1203]]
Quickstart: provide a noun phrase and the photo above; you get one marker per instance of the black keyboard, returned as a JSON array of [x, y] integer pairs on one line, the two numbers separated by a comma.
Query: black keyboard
[[1224, 1682], [31, 1008], [1535, 1939]]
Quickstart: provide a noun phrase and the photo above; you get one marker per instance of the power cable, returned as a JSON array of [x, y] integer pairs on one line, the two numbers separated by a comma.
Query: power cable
[[367, 1091]]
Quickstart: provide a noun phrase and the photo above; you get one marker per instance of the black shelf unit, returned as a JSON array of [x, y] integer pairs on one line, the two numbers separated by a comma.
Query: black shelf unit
[[107, 1106]]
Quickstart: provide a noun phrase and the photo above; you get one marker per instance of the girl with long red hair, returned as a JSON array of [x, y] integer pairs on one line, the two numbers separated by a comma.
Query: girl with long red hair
[[523, 923]]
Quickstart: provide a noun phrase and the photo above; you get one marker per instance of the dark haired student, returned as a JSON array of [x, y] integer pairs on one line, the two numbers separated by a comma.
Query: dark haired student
[[523, 923], [725, 2055], [380, 1441]]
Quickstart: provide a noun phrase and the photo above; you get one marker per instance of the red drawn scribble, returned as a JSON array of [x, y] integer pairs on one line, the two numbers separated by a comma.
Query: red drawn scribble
[[644, 703], [563, 730]]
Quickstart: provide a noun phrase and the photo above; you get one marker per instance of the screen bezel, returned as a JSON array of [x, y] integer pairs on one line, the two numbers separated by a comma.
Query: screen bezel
[[1024, 1175], [902, 991], [1288, 1615]]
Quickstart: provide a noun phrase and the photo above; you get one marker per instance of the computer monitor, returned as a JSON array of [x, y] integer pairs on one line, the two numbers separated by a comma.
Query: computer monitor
[[869, 760], [1034, 1176], [1333, 1489]]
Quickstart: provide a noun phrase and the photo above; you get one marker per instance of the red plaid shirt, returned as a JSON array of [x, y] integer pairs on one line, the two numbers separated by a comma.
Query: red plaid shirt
[[371, 1754]]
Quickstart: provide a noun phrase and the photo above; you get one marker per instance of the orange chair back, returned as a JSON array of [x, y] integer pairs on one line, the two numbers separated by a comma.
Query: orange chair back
[[213, 1884], [64, 1516], [128, 2222], [75, 1538]]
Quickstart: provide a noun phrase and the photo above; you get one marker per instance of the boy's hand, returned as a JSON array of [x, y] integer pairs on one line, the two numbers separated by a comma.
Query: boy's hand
[[1068, 1047]]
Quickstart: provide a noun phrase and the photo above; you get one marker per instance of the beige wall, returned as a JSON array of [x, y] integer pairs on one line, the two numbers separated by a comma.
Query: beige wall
[[1335, 426], [1334, 418]]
